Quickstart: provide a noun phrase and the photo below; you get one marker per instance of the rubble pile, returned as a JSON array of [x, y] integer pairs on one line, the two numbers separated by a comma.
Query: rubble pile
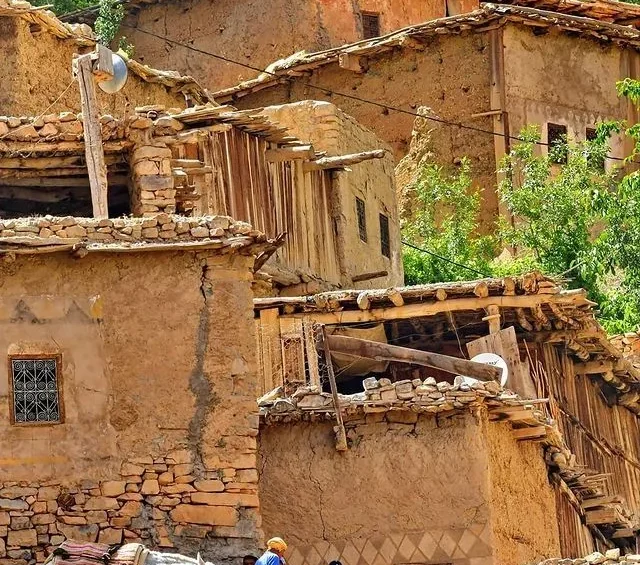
[[611, 557], [381, 395], [49, 230]]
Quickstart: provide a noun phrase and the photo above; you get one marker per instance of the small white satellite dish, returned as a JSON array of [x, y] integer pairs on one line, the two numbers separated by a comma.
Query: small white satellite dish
[[120, 74], [495, 361]]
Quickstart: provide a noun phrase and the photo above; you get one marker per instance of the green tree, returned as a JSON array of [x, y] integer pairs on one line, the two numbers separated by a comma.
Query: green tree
[[107, 24], [446, 223], [573, 220]]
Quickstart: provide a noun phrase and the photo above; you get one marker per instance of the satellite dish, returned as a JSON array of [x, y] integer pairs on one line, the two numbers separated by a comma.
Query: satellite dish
[[495, 361], [120, 73]]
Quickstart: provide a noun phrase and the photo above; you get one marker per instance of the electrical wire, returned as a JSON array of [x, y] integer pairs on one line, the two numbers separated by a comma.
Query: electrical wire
[[485, 275], [386, 107]]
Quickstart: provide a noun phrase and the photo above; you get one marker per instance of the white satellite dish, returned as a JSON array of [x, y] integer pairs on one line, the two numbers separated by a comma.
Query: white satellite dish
[[120, 74], [493, 360]]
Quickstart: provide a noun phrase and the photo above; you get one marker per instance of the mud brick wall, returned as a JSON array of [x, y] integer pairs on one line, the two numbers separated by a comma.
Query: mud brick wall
[[157, 376]]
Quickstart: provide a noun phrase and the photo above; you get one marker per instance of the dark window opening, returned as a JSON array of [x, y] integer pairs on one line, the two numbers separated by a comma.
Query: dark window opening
[[596, 161], [557, 140], [370, 25], [385, 244], [35, 390], [63, 191], [362, 219]]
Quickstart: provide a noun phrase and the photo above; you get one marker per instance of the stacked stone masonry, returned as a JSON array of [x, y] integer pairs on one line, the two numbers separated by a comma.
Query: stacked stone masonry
[[611, 557], [154, 501], [218, 231]]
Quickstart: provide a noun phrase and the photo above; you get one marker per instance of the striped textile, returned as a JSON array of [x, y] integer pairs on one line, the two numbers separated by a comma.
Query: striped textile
[[72, 552]]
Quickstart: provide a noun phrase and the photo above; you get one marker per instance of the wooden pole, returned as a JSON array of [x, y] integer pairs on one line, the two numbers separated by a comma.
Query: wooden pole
[[341, 435], [93, 148], [385, 352]]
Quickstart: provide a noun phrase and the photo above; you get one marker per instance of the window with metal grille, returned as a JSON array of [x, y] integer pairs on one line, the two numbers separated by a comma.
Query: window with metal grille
[[35, 394], [385, 244], [370, 25], [557, 140], [362, 219]]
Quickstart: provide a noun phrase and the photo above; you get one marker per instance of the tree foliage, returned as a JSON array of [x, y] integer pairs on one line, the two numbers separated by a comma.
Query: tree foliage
[[573, 220]]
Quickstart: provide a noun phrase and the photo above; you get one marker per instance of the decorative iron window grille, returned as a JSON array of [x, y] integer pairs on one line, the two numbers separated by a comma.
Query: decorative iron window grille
[[370, 25], [362, 219], [35, 390], [557, 140], [385, 243]]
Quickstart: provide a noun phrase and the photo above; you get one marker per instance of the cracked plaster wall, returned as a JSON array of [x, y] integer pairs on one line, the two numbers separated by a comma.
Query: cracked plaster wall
[[412, 489], [159, 394]]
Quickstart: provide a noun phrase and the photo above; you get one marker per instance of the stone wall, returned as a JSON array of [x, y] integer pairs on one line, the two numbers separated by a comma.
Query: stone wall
[[157, 377]]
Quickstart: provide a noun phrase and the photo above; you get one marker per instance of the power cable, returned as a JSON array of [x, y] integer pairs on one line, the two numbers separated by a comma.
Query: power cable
[[484, 275], [349, 96]]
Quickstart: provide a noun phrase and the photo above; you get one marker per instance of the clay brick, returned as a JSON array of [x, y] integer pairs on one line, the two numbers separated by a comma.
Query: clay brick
[[150, 486], [131, 508], [113, 488], [22, 538], [206, 515], [101, 503], [110, 536], [225, 499], [209, 486]]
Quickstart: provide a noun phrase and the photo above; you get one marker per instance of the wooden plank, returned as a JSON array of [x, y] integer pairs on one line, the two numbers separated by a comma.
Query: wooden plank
[[292, 344], [271, 342], [289, 153], [431, 308], [385, 352], [94, 151], [341, 439], [311, 352], [505, 344], [529, 433]]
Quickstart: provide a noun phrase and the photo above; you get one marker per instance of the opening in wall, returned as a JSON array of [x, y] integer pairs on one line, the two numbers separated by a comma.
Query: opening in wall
[[59, 185], [595, 160], [370, 25], [362, 219], [34, 385], [557, 140], [385, 242]]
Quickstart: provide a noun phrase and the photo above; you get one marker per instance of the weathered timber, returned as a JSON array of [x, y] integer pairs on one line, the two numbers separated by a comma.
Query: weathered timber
[[385, 352], [369, 276], [290, 153], [341, 439], [94, 151], [344, 160]]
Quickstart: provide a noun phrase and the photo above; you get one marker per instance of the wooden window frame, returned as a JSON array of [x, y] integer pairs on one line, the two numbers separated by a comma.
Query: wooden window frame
[[362, 226], [57, 357], [378, 18], [385, 245]]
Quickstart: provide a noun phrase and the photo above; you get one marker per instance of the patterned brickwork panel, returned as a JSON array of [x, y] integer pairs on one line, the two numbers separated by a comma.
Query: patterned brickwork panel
[[470, 546]]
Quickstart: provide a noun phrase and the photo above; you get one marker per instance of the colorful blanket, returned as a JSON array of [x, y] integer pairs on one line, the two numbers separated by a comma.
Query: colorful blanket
[[87, 553]]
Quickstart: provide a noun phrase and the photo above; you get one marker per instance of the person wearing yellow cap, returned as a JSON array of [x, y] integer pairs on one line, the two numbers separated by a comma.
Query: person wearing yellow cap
[[274, 555]]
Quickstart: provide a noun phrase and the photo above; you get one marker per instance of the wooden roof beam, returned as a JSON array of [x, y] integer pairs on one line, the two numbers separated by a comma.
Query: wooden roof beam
[[385, 352], [344, 160]]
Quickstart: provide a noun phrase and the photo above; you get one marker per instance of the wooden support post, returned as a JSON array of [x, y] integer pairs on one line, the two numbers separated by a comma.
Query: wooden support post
[[493, 317], [385, 352], [341, 435], [94, 150]]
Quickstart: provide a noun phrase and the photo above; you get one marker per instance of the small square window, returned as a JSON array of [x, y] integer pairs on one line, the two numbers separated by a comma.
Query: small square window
[[35, 390], [370, 25], [557, 140], [362, 219], [385, 244]]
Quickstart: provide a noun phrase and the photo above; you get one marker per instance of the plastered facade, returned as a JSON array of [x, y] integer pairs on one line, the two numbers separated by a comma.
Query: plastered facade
[[531, 79], [225, 28], [331, 130], [37, 71], [157, 373], [419, 489]]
